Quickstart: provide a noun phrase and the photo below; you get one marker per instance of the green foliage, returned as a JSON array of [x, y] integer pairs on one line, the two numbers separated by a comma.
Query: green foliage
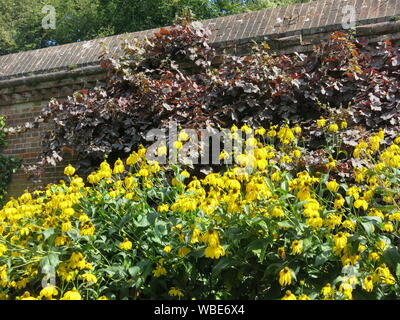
[[274, 233], [8, 165], [79, 20]]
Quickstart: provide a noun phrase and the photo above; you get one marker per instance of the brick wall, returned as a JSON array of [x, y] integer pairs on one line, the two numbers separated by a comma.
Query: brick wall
[[29, 79]]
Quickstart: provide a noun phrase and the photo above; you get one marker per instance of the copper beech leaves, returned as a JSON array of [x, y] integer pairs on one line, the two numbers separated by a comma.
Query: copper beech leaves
[[177, 75]]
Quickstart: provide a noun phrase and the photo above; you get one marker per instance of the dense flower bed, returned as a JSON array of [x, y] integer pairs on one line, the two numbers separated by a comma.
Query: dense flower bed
[[282, 231]]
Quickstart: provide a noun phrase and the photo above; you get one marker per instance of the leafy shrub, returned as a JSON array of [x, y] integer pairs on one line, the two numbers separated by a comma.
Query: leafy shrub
[[281, 231], [8, 165], [175, 76]]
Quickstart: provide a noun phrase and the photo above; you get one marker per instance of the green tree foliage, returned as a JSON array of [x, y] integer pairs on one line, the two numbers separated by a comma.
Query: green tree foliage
[[78, 20]]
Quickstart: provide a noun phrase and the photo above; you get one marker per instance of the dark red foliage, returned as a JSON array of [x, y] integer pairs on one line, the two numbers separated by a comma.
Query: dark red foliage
[[171, 76]]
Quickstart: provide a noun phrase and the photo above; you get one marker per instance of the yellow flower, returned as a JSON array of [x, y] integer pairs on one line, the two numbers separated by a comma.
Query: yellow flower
[[277, 212], [72, 295], [285, 277], [48, 292], [178, 145], [185, 174], [297, 129], [327, 290], [333, 127], [162, 150], [118, 167], [361, 203], [289, 296], [388, 227], [163, 208], [281, 253], [102, 298], [69, 170], [167, 249], [297, 247], [125, 245], [285, 135], [321, 122], [66, 226], [340, 240], [89, 277], [183, 136], [3, 249], [132, 159], [260, 131], [333, 186], [159, 271], [184, 251], [297, 153], [368, 284], [175, 292]]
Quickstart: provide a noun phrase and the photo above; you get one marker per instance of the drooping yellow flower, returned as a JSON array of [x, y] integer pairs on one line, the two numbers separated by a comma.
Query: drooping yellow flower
[[162, 150], [339, 201], [175, 292], [184, 251], [282, 253], [125, 245], [289, 296], [285, 277], [333, 127], [159, 271], [333, 186], [89, 277], [178, 144], [72, 295], [163, 208], [340, 240], [285, 135], [361, 203], [297, 246], [48, 292], [183, 136], [69, 170], [167, 249], [118, 167], [368, 284], [388, 227], [133, 159], [321, 122], [214, 252], [327, 290]]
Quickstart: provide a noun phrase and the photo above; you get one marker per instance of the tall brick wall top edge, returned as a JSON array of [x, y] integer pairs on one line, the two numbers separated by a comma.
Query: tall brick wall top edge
[[304, 18]]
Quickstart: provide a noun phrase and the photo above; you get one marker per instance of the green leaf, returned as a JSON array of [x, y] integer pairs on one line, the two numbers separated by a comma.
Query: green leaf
[[134, 271], [398, 271], [47, 233], [258, 247], [392, 257], [161, 228], [285, 224], [222, 264], [368, 227], [142, 221]]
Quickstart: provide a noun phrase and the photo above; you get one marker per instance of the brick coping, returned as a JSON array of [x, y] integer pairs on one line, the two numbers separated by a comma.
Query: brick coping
[[299, 19]]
